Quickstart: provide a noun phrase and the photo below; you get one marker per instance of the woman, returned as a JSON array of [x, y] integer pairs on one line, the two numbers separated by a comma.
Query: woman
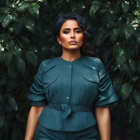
[[73, 92]]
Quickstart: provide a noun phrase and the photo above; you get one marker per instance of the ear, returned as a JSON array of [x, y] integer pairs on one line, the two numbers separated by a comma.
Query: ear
[[58, 39]]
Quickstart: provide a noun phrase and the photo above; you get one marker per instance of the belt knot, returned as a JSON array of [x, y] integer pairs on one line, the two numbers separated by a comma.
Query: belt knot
[[67, 110]]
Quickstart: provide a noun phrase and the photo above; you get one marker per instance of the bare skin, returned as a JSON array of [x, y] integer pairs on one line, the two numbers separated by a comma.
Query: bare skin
[[32, 122], [104, 122], [70, 31]]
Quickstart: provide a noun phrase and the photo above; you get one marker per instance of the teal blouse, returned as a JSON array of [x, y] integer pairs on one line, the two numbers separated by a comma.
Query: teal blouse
[[70, 91]]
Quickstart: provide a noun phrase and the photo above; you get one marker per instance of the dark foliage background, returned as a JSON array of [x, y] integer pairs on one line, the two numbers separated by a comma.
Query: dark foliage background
[[26, 38]]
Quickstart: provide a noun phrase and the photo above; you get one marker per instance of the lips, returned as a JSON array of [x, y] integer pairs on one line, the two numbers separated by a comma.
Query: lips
[[72, 42]]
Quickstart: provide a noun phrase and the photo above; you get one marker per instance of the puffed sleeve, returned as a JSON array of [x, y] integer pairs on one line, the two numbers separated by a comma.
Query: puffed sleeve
[[36, 93], [106, 94]]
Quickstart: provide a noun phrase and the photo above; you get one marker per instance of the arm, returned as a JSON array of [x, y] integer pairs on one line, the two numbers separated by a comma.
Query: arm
[[104, 122], [32, 121]]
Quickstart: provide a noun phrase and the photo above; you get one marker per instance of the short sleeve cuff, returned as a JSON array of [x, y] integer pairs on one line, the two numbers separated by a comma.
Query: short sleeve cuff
[[38, 103], [111, 104]]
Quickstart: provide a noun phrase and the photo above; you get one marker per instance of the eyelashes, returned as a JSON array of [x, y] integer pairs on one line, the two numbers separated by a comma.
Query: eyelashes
[[65, 32], [78, 31], [68, 31]]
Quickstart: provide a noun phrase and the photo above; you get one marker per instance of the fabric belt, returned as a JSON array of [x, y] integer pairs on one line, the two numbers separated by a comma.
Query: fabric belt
[[68, 108]]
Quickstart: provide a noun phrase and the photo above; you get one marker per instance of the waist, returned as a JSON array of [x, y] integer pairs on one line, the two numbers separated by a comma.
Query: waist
[[53, 119], [69, 108]]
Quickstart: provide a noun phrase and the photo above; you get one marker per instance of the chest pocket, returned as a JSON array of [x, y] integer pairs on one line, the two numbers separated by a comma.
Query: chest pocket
[[48, 80], [91, 76]]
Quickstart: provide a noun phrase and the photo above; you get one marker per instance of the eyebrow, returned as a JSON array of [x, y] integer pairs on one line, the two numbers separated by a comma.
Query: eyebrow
[[69, 28]]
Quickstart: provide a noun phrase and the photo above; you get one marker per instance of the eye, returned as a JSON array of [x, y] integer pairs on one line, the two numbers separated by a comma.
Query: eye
[[78, 31], [65, 31]]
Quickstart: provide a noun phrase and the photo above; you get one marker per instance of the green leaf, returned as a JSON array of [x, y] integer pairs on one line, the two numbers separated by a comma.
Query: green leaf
[[132, 112], [121, 58], [125, 6], [94, 7], [135, 78], [8, 57], [34, 9], [4, 10], [117, 83], [29, 23], [4, 37], [7, 19], [128, 31], [31, 58], [24, 40], [11, 29], [127, 69], [132, 65], [21, 65], [126, 90], [22, 6], [114, 34], [17, 26], [102, 36], [130, 52], [13, 103], [136, 96], [120, 55]]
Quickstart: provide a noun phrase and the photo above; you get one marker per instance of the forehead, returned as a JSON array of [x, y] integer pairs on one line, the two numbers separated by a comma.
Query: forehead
[[70, 24]]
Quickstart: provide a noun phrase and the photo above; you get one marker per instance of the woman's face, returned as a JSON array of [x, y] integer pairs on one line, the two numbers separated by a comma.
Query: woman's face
[[71, 35]]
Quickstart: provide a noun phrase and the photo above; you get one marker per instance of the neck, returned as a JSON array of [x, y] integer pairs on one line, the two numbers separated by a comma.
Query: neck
[[71, 55]]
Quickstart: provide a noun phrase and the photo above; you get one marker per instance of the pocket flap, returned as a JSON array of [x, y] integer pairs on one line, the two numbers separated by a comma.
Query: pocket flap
[[91, 77], [49, 80]]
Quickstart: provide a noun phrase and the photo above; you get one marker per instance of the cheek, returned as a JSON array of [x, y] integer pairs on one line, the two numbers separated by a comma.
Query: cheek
[[81, 38], [63, 38]]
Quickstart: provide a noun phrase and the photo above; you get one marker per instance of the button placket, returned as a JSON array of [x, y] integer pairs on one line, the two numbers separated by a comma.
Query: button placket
[[70, 76]]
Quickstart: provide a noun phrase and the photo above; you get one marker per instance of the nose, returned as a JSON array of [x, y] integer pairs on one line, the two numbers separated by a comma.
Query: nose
[[72, 34]]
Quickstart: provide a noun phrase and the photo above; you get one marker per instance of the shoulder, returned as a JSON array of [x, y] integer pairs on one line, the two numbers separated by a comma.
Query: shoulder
[[95, 61], [49, 63]]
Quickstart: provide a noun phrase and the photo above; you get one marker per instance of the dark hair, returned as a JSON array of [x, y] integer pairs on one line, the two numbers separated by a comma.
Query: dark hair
[[87, 48]]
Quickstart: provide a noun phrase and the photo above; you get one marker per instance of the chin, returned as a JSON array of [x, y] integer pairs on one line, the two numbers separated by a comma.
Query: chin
[[73, 47]]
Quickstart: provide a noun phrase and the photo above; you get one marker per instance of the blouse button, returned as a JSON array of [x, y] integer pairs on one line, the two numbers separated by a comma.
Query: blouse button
[[70, 66], [68, 97]]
